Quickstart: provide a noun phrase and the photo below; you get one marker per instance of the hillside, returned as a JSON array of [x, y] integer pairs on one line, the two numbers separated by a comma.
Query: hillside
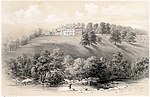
[[70, 45]]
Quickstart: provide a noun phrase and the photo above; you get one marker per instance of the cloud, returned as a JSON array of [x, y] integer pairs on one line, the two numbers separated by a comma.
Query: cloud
[[52, 18], [79, 15], [122, 11], [31, 12], [20, 13], [91, 8]]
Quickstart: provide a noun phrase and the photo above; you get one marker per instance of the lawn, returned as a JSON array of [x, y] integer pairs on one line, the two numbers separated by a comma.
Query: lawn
[[70, 45]]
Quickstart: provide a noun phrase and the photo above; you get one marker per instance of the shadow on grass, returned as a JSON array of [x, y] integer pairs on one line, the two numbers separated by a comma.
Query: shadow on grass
[[96, 48], [137, 45], [90, 51], [67, 48], [124, 48], [102, 43]]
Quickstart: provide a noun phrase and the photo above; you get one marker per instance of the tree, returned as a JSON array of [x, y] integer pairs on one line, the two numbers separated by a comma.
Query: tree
[[77, 67], [89, 27], [97, 68], [123, 34], [107, 28], [57, 57], [130, 37], [99, 39], [120, 68], [113, 27], [115, 37], [119, 28], [34, 73], [90, 67], [85, 39], [140, 68], [92, 37], [102, 28], [95, 28], [55, 77], [68, 60], [13, 68]]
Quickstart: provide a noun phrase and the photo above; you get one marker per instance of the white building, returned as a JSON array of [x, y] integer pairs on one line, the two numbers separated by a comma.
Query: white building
[[67, 32]]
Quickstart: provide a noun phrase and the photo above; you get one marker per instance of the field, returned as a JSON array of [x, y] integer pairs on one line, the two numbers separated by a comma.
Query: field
[[70, 45]]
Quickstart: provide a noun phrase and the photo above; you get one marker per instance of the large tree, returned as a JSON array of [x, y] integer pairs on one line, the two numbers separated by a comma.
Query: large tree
[[107, 28], [95, 27], [120, 68], [123, 34], [85, 39], [92, 37], [130, 37], [89, 27], [102, 28], [115, 37]]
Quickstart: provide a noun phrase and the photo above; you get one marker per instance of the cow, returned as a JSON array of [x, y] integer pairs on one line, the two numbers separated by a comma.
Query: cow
[[26, 81]]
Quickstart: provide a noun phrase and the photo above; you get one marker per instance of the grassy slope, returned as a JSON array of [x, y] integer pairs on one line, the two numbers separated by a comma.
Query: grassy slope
[[70, 45]]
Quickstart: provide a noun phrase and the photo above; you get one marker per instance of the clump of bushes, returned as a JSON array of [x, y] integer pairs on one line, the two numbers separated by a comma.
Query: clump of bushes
[[52, 68], [140, 68], [45, 67]]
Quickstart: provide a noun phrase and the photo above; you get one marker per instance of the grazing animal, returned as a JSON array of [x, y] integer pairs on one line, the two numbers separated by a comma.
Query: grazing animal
[[26, 81]]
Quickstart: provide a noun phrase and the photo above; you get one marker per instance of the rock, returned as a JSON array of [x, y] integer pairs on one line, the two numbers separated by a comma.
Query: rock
[[115, 88], [110, 89], [101, 89]]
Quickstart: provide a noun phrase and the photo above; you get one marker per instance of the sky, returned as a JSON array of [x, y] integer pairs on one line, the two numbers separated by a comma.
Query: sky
[[22, 17]]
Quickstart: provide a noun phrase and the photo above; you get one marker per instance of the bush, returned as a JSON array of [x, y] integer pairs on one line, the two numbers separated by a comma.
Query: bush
[[96, 68], [120, 68], [53, 67], [140, 68], [20, 67], [55, 77]]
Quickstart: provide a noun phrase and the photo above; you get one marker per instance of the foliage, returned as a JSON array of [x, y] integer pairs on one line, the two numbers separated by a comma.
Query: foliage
[[95, 27], [85, 40], [130, 37], [99, 39], [92, 37], [13, 45], [123, 34], [89, 27], [140, 68], [52, 68], [107, 26], [41, 64], [88, 36], [102, 28], [115, 37], [20, 67], [120, 67], [55, 77]]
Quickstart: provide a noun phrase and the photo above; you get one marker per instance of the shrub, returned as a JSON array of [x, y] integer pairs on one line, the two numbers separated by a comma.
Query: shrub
[[96, 68], [55, 77], [53, 67], [20, 67], [120, 68], [115, 37], [140, 68]]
